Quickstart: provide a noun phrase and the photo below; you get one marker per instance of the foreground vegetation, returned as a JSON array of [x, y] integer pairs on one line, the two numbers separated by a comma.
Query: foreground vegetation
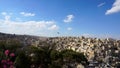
[[14, 55]]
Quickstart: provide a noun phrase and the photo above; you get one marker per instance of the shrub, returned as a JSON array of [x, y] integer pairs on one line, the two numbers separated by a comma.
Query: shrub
[[7, 59]]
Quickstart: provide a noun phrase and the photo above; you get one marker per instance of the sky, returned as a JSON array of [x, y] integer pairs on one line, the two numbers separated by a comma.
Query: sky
[[96, 18]]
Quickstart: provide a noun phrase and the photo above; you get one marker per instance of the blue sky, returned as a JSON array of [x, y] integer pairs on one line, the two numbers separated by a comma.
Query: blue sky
[[100, 18]]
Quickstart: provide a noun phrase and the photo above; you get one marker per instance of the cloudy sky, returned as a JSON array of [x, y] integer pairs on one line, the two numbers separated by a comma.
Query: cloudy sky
[[68, 17]]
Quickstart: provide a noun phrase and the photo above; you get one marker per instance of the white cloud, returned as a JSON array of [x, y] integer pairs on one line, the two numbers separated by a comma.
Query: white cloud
[[101, 4], [27, 14], [7, 18], [26, 27], [4, 13], [115, 8], [68, 19], [53, 27], [69, 28]]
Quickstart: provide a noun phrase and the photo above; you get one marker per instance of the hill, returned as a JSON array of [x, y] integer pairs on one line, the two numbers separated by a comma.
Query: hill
[[24, 39]]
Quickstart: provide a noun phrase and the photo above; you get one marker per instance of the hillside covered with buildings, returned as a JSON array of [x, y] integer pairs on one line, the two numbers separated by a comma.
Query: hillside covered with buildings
[[100, 53]]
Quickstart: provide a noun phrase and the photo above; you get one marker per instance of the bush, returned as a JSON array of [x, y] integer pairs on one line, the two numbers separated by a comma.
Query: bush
[[7, 59], [22, 60], [35, 57]]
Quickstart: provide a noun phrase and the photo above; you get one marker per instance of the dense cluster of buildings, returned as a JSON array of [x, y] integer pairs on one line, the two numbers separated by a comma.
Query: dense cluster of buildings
[[101, 53]]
